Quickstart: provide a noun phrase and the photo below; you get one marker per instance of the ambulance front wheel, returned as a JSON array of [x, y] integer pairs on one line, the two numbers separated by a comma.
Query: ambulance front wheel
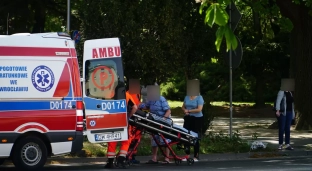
[[29, 154]]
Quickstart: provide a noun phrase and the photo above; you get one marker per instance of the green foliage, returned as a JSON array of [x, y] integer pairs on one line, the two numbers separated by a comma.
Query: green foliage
[[155, 43], [223, 143], [36, 16], [210, 143], [307, 3], [167, 40], [216, 14], [213, 78]]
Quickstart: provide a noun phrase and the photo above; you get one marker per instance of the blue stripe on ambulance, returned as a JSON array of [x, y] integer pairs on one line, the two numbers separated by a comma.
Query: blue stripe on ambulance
[[111, 106], [36, 105], [73, 98]]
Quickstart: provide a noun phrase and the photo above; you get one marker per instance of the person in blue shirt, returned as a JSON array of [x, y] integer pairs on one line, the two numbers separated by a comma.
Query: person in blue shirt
[[192, 108], [162, 109]]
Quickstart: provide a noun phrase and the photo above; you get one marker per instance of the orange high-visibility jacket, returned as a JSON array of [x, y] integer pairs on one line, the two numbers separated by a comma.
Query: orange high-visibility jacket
[[135, 97]]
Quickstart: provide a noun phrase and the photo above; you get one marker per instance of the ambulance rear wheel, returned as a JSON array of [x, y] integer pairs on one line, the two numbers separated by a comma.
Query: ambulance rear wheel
[[30, 153]]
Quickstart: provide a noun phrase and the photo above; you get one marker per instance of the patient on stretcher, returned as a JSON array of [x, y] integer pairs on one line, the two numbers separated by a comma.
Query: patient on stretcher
[[169, 122], [170, 126]]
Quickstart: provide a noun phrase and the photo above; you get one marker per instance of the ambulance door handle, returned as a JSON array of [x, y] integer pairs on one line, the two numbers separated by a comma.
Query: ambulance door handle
[[98, 106]]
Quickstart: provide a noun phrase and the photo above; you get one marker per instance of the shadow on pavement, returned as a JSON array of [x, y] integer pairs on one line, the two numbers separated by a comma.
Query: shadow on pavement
[[89, 167]]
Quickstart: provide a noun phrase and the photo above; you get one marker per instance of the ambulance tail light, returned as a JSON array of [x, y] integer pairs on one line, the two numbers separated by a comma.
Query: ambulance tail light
[[79, 115]]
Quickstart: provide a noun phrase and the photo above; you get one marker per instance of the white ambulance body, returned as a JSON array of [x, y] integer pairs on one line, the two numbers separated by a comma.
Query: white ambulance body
[[40, 98]]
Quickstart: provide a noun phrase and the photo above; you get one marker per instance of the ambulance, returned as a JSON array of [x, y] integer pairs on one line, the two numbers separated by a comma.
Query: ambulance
[[41, 105]]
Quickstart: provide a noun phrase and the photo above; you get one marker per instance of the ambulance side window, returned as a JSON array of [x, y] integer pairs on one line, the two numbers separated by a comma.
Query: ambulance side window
[[104, 79]]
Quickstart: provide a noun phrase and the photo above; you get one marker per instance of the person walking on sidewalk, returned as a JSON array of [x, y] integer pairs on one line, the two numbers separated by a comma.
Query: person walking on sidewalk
[[285, 114]]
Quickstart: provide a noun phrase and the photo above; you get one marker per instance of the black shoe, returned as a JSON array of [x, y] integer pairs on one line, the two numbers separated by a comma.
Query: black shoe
[[288, 147], [110, 164], [121, 162]]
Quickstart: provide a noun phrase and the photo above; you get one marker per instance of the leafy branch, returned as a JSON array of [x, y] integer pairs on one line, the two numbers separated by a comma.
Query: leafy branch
[[216, 14]]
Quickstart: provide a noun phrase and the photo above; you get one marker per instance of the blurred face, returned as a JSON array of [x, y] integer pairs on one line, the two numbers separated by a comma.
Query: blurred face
[[153, 93], [192, 88], [287, 84], [134, 86]]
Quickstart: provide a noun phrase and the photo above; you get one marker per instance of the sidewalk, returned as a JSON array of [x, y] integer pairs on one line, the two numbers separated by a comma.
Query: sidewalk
[[249, 126]]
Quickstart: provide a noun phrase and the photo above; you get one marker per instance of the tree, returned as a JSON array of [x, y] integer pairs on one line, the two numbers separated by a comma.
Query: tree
[[299, 12], [36, 16], [265, 45], [301, 56], [158, 38]]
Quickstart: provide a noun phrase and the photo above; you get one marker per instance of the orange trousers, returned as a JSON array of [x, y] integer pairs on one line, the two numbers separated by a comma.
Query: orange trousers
[[111, 150]]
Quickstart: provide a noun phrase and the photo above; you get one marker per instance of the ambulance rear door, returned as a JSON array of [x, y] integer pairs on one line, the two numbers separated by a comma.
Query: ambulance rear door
[[104, 91]]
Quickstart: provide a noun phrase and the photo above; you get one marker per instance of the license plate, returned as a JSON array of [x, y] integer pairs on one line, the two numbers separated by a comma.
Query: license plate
[[106, 137]]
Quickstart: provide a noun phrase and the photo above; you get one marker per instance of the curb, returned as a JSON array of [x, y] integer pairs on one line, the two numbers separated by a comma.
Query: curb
[[203, 157], [99, 161]]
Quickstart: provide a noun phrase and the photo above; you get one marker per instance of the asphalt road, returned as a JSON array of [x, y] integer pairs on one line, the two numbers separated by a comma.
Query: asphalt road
[[278, 164]]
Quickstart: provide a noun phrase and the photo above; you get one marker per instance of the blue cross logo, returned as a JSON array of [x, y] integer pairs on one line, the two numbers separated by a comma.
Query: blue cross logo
[[42, 78]]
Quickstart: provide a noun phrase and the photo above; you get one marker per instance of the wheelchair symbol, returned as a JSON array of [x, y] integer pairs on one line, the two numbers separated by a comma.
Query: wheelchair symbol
[[92, 123]]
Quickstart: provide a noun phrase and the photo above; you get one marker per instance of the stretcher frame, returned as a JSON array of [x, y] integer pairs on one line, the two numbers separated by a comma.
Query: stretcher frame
[[189, 139], [133, 149]]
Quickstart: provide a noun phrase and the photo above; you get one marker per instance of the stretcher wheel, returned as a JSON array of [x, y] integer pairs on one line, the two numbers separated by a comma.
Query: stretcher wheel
[[190, 161], [177, 161]]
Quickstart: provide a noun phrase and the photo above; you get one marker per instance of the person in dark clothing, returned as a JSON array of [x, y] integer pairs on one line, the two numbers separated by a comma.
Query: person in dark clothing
[[285, 114]]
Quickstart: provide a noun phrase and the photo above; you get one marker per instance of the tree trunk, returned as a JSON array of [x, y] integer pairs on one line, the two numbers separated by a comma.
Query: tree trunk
[[302, 38], [259, 74], [260, 82]]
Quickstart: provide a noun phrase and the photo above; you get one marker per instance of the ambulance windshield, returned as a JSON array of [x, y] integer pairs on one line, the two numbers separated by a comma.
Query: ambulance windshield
[[105, 79]]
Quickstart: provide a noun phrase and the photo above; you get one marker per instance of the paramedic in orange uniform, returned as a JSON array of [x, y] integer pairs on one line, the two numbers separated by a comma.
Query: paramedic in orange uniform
[[111, 150], [134, 134]]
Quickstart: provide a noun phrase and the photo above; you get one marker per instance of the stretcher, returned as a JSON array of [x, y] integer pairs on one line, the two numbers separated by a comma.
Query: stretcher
[[156, 125]]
